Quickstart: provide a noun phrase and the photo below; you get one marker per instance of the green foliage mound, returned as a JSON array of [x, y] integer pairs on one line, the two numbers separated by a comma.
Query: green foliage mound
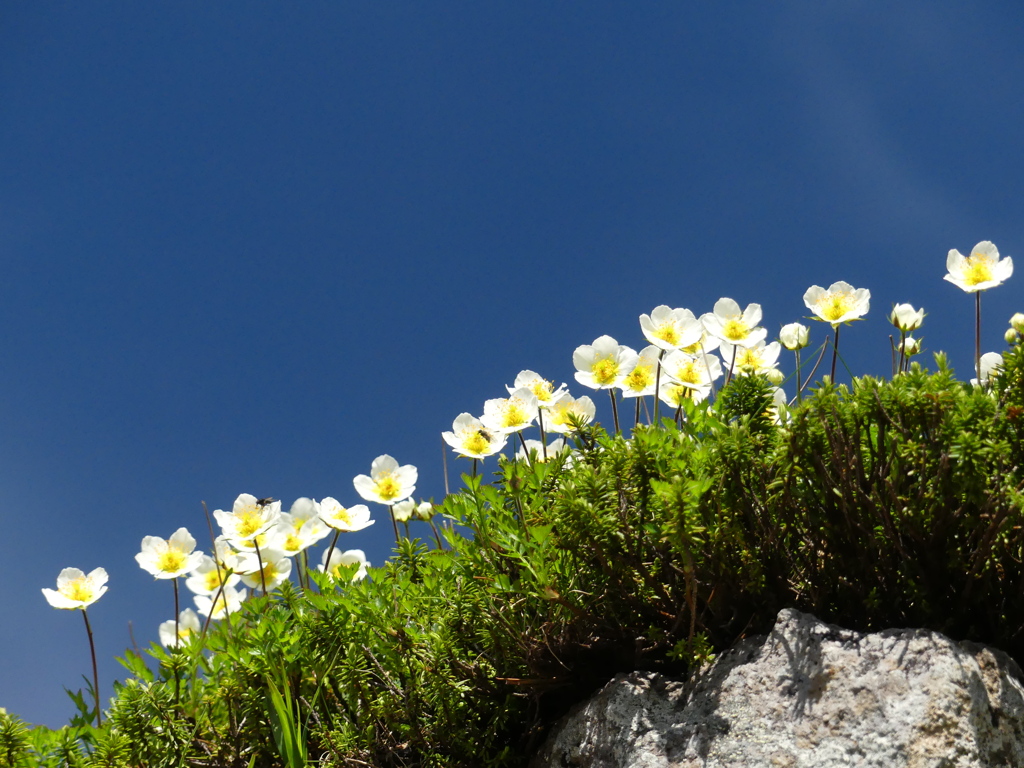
[[887, 503]]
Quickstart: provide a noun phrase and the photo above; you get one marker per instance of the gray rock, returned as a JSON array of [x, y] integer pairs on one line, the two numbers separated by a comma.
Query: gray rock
[[809, 695]]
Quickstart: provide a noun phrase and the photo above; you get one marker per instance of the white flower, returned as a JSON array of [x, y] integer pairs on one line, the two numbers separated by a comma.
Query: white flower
[[276, 568], [695, 372], [906, 318], [794, 336], [566, 410], [387, 482], [675, 394], [344, 519], [640, 381], [206, 578], [76, 590], [291, 539], [469, 437], [991, 363], [249, 517], [543, 389], [1017, 322], [603, 364], [188, 624], [728, 324], [668, 328], [982, 270], [344, 559], [510, 414], [229, 601], [170, 558], [759, 358], [706, 343], [841, 303]]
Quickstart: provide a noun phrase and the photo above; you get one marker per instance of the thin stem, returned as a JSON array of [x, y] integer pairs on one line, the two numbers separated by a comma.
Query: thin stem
[[95, 673], [437, 534], [259, 559], [835, 353], [821, 356], [177, 646], [657, 389], [444, 461], [615, 410], [798, 387], [636, 419], [330, 551], [543, 437], [394, 524], [977, 334], [526, 451]]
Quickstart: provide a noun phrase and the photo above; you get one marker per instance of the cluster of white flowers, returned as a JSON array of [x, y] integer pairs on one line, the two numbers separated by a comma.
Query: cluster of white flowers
[[258, 540]]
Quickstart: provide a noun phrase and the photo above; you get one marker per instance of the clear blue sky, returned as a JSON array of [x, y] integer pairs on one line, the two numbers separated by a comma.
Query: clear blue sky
[[247, 247]]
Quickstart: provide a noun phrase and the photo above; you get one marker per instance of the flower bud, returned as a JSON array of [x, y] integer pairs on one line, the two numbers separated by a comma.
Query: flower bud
[[794, 336], [424, 511], [1011, 336], [775, 376], [906, 318], [910, 346], [404, 510], [1017, 322]]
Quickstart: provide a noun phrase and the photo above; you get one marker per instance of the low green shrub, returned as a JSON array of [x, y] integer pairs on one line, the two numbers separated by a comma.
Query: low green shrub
[[887, 503]]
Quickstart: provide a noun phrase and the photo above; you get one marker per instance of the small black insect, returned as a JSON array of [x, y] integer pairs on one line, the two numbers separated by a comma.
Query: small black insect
[[264, 502]]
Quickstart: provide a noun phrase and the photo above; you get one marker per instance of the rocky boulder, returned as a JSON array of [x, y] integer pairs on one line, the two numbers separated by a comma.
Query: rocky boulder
[[808, 695]]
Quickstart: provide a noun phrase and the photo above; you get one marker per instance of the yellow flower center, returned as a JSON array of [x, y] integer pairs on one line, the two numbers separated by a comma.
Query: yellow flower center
[[387, 487], [342, 516], [640, 378], [735, 330], [513, 414], [211, 580], [250, 520], [695, 346], [833, 306], [543, 389], [977, 269], [688, 373], [477, 441], [293, 543], [667, 333], [605, 371], [79, 590], [171, 560], [677, 394]]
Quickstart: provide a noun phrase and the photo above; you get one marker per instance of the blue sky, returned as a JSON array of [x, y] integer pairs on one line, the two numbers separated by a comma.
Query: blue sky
[[249, 247]]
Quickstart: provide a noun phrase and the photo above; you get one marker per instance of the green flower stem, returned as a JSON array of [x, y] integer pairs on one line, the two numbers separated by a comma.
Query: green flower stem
[[95, 673]]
